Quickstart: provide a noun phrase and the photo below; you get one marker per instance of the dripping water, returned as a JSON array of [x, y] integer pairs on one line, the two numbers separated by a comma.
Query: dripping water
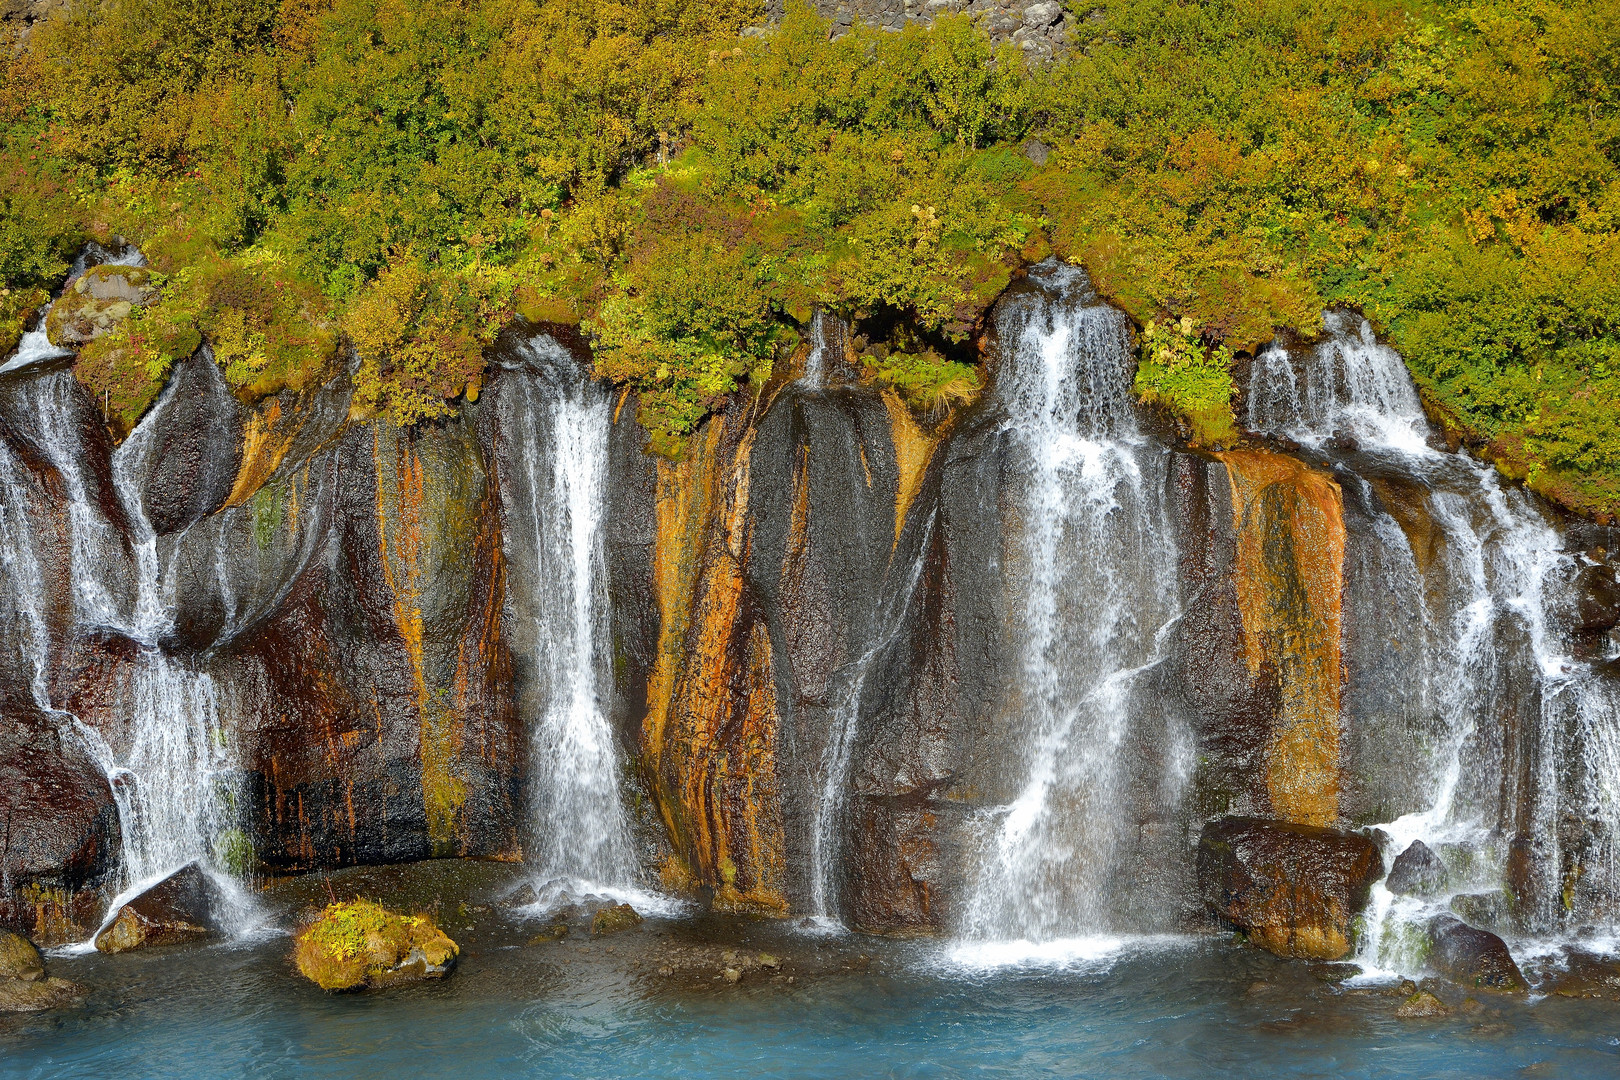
[[1099, 595], [825, 826]]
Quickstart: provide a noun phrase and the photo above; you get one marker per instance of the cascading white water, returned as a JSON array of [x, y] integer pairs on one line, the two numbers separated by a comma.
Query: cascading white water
[[556, 433], [170, 777], [1489, 656], [815, 364], [844, 722], [1097, 576]]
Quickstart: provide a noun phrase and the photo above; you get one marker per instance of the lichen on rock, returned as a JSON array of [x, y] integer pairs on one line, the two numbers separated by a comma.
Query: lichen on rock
[[359, 944], [97, 301]]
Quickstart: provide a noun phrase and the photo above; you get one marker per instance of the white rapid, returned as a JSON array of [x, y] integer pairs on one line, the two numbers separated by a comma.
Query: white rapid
[[1093, 566], [555, 425], [169, 762], [1487, 694]]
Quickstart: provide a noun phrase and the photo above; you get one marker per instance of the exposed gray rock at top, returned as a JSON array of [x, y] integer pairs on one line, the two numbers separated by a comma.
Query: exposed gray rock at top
[[1038, 27]]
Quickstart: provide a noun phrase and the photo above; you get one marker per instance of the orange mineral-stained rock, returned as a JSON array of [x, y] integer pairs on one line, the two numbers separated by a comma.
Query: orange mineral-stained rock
[[710, 734], [1289, 521]]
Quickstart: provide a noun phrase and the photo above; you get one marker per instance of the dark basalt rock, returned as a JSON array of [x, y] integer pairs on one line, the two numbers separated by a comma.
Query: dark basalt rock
[[58, 832], [1293, 889], [1471, 957], [185, 906], [1488, 911], [1418, 871], [194, 447]]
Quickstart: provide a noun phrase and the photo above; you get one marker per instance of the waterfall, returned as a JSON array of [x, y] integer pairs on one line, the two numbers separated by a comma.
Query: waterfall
[[1491, 656], [815, 365], [555, 424], [170, 767], [826, 824], [1097, 576]]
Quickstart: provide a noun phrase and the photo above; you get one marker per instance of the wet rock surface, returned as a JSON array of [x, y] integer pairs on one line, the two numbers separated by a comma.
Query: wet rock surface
[[1417, 871], [1293, 889], [1473, 958], [185, 906]]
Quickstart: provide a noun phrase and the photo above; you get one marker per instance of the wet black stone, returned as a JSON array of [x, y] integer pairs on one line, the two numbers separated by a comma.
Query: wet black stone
[[1418, 871]]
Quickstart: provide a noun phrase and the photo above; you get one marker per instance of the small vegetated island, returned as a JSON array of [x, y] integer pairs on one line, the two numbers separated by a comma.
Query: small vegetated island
[[389, 183]]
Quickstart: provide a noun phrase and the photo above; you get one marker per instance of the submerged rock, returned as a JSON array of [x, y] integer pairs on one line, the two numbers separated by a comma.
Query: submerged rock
[[1418, 871], [182, 907], [1587, 975], [364, 945], [1422, 1006], [1472, 957], [611, 920], [24, 986], [1294, 889]]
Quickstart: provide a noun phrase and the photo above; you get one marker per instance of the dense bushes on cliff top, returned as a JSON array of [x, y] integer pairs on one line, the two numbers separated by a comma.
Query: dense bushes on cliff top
[[406, 174]]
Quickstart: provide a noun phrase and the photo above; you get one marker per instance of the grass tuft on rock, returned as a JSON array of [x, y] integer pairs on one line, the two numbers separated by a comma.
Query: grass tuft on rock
[[361, 944]]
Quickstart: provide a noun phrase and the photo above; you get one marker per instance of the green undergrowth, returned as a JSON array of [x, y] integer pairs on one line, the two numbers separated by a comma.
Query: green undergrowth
[[402, 177]]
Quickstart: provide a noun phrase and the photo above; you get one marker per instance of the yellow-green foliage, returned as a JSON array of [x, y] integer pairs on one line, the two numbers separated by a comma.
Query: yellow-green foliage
[[351, 944], [16, 305], [930, 384], [1180, 370], [1451, 171], [420, 335]]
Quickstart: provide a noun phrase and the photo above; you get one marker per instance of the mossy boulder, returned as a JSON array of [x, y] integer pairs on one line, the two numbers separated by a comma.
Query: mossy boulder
[[96, 302], [611, 920], [362, 945], [19, 959], [24, 986]]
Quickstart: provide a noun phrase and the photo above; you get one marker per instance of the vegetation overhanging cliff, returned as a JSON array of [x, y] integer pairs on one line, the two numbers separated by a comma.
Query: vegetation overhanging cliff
[[402, 177]]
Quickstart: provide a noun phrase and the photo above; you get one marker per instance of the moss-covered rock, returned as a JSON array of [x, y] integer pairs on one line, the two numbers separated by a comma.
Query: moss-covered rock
[[24, 986], [19, 959], [611, 920], [98, 301], [351, 946]]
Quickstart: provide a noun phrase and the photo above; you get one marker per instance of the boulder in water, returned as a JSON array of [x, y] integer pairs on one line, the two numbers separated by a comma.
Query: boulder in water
[[1422, 1006], [24, 986], [1587, 975], [362, 945], [182, 907], [1418, 871], [1472, 957], [1491, 911], [611, 920], [19, 959], [1293, 889], [96, 302]]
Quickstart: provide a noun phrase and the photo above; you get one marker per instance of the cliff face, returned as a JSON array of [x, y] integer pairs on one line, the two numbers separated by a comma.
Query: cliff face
[[814, 622]]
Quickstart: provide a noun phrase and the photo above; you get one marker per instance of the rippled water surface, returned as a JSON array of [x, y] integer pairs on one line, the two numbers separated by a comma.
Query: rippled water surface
[[1192, 1008]]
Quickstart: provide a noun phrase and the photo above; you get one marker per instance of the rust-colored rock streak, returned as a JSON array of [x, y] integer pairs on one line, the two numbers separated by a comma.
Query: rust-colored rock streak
[[709, 738], [913, 447], [1289, 521], [400, 519]]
